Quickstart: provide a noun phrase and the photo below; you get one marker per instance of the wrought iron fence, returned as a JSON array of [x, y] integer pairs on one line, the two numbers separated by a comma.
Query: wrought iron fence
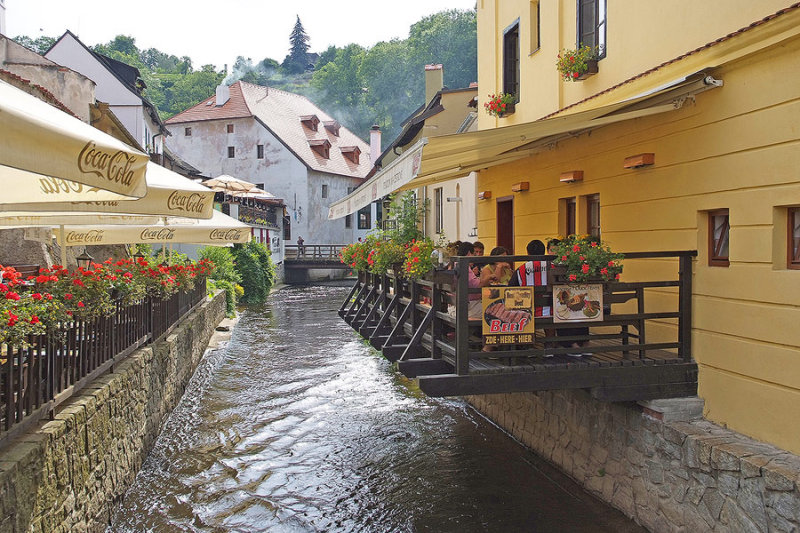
[[35, 379]]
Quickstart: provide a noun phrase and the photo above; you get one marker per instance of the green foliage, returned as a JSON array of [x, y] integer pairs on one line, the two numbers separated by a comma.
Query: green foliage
[[408, 214], [257, 272], [297, 60], [224, 268], [230, 294], [40, 45]]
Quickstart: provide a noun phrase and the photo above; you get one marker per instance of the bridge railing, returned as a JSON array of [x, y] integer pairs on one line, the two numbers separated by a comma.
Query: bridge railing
[[314, 252]]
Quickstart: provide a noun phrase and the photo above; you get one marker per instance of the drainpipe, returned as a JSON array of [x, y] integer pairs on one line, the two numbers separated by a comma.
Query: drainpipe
[[161, 155]]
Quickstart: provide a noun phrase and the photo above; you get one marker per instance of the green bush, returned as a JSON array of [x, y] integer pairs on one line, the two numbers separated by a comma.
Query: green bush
[[256, 270], [230, 294], [223, 259]]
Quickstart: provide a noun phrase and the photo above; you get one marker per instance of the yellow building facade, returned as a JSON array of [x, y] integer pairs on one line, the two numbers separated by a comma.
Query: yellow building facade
[[725, 176]]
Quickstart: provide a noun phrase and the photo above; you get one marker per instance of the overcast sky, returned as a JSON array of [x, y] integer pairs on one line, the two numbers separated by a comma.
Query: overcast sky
[[216, 31]]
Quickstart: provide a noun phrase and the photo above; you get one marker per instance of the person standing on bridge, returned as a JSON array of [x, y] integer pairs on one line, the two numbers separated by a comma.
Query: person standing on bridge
[[301, 250]]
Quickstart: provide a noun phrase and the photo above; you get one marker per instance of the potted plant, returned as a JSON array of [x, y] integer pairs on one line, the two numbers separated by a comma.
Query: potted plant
[[500, 105], [386, 255], [579, 64], [584, 258], [418, 260]]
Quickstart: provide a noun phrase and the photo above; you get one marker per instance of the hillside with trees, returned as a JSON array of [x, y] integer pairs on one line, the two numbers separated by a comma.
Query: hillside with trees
[[356, 85]]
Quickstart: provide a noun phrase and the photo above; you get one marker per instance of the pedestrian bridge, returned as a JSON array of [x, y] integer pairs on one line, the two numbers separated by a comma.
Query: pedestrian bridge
[[299, 260]]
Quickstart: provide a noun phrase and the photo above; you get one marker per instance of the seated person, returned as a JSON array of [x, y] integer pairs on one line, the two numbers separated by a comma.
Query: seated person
[[533, 274], [498, 273]]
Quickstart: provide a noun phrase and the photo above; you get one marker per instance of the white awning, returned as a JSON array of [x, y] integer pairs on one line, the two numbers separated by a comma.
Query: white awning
[[37, 137], [396, 174], [219, 230]]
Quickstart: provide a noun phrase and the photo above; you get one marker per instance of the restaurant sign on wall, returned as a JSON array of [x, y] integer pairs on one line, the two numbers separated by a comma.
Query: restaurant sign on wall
[[507, 315], [581, 302]]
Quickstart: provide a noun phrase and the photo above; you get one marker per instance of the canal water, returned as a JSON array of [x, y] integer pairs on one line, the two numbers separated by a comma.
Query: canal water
[[298, 425]]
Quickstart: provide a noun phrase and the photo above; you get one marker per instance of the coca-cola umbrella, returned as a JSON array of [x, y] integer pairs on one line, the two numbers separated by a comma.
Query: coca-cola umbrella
[[219, 230], [168, 193], [38, 138]]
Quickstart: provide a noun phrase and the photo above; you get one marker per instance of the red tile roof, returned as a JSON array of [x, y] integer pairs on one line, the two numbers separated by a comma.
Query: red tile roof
[[281, 113], [35, 90]]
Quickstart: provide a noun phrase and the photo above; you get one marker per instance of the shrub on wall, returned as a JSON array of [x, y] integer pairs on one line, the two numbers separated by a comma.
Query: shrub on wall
[[225, 277], [256, 270]]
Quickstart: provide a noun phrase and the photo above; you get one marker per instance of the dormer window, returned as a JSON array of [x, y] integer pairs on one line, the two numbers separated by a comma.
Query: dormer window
[[321, 147], [351, 153], [310, 121], [332, 126]]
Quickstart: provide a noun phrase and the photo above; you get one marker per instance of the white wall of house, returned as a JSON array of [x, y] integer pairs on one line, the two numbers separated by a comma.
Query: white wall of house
[[459, 220], [281, 173], [125, 105]]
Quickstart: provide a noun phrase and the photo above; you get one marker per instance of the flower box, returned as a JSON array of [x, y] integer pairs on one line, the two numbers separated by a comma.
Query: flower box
[[591, 70]]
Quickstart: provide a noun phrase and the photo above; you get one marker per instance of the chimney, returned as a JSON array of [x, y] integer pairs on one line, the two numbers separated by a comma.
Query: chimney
[[374, 143], [223, 94], [434, 80]]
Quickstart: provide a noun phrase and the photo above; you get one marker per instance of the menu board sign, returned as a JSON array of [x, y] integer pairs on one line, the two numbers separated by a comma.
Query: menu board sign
[[507, 315]]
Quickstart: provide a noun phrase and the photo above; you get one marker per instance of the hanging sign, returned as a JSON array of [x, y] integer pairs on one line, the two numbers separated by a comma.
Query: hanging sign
[[507, 315], [578, 302]]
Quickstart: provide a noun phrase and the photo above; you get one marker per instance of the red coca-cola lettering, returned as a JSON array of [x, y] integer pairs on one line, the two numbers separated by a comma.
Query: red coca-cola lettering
[[114, 167]]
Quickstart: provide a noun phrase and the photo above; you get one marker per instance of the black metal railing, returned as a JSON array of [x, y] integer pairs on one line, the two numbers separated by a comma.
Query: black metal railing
[[35, 379], [645, 321]]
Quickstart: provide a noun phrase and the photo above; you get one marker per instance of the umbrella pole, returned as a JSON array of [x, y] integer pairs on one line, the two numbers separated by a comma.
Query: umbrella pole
[[63, 246]]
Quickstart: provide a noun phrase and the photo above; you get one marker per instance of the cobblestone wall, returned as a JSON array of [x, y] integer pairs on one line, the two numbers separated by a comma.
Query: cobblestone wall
[[666, 474], [68, 475]]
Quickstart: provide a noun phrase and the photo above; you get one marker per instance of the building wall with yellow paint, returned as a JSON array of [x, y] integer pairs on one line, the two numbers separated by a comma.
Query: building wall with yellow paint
[[734, 147]]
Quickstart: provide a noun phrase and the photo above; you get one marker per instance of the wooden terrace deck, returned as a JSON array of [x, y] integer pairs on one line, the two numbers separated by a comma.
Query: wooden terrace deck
[[444, 351]]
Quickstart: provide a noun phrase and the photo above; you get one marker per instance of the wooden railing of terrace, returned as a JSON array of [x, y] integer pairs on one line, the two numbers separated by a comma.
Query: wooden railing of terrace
[[624, 361], [35, 379]]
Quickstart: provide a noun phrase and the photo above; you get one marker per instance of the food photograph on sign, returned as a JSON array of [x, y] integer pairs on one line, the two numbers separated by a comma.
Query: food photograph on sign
[[578, 303], [507, 315]]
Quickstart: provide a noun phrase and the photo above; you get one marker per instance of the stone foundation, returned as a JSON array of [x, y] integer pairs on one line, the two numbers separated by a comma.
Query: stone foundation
[[666, 472], [68, 475]]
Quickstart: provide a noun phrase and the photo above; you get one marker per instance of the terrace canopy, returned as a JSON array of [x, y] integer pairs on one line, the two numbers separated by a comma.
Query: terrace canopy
[[38, 138]]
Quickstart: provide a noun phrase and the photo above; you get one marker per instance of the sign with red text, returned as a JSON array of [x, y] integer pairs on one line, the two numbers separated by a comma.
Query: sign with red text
[[507, 315]]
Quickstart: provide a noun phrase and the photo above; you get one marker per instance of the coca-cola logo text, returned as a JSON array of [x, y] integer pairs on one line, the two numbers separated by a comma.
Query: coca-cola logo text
[[85, 237], [114, 167], [225, 235], [157, 234], [50, 185], [186, 202]]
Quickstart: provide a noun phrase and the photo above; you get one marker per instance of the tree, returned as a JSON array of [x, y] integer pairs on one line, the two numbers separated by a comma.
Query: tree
[[40, 45], [297, 60], [450, 38]]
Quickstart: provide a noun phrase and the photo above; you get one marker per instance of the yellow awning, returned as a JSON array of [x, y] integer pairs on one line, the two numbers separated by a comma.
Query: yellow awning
[[453, 156]]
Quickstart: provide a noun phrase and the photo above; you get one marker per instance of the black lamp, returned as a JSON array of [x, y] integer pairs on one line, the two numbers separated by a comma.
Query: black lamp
[[84, 260]]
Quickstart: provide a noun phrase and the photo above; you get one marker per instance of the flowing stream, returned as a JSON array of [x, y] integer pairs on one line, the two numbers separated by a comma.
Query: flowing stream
[[298, 425]]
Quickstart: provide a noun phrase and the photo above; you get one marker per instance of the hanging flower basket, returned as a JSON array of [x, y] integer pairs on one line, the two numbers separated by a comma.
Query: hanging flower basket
[[577, 65]]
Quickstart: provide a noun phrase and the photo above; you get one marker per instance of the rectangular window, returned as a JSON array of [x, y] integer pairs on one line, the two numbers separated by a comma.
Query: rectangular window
[[438, 207], [231, 152], [511, 60], [718, 234], [592, 25], [348, 221], [324, 191], [364, 217], [794, 238], [260, 151], [571, 210], [230, 128], [535, 40], [593, 215], [187, 132]]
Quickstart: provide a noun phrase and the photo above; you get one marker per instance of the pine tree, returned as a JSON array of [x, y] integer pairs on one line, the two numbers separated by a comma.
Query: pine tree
[[298, 49]]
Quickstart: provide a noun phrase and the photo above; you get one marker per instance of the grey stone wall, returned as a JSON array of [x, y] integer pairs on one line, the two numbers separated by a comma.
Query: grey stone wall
[[68, 475], [666, 474]]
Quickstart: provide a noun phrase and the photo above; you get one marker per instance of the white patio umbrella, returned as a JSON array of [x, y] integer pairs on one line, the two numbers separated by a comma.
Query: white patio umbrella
[[229, 184], [168, 193], [39, 138], [220, 229]]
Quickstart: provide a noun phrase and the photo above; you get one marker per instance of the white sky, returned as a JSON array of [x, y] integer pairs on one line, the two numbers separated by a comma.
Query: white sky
[[216, 31]]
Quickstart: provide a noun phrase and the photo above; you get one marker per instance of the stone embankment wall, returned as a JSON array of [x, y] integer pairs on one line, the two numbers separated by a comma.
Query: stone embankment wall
[[68, 475], [664, 471]]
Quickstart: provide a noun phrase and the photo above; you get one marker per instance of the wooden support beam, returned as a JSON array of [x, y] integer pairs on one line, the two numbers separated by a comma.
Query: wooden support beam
[[346, 303], [413, 368], [656, 391], [555, 379], [416, 338]]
